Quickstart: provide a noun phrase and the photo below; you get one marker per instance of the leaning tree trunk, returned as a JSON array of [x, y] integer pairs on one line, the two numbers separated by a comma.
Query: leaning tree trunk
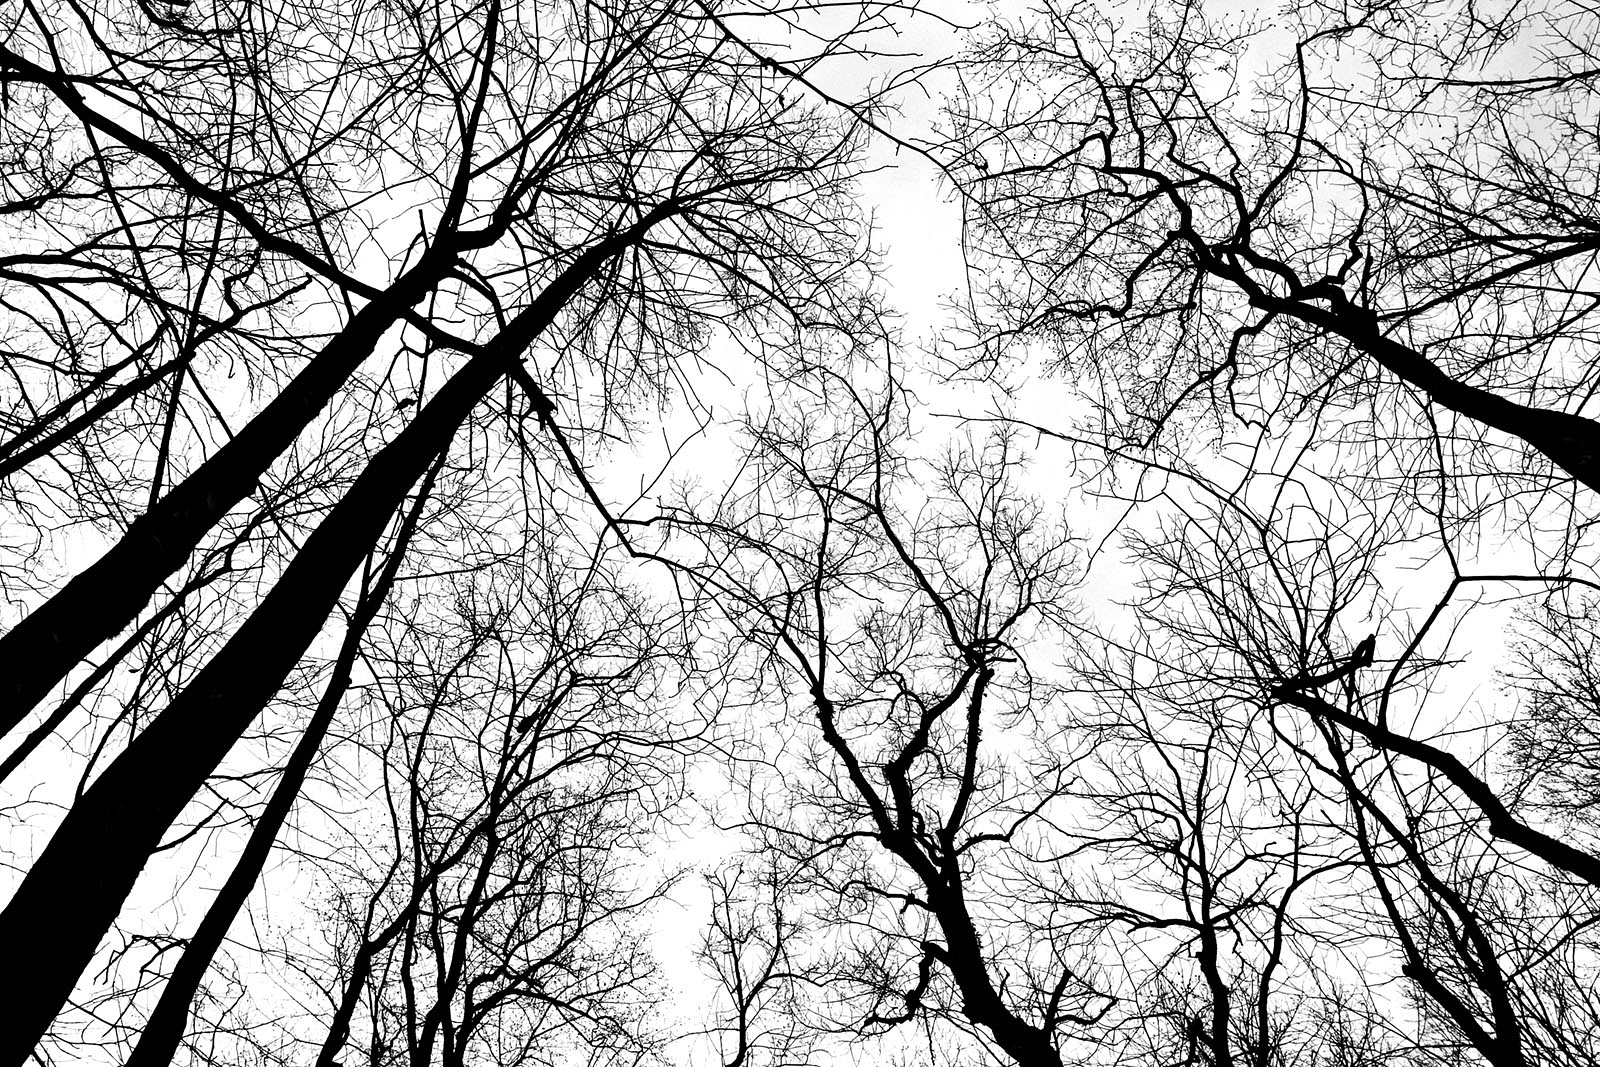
[[76, 887], [37, 653]]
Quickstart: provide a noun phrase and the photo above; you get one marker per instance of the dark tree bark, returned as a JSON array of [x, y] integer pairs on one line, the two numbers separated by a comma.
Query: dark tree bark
[[37, 653], [73, 892], [164, 1029]]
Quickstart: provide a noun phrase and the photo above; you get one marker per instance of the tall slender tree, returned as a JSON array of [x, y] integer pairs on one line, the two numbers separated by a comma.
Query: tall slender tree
[[598, 189]]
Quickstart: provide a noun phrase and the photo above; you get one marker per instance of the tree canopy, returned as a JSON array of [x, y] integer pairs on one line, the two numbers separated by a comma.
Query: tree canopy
[[492, 575]]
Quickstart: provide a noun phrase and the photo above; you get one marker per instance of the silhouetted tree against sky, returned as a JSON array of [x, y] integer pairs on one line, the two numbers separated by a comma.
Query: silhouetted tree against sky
[[1325, 282], [469, 499], [754, 945], [1380, 215], [880, 596], [598, 191], [502, 920], [517, 729]]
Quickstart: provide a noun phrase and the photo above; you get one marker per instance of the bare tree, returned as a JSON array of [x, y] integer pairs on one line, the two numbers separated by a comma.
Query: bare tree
[[601, 189], [522, 788], [891, 615], [322, 323], [755, 947], [1327, 283]]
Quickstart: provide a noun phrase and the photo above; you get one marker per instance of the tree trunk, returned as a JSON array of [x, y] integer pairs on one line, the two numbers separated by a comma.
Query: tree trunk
[[37, 653], [164, 1030], [76, 887]]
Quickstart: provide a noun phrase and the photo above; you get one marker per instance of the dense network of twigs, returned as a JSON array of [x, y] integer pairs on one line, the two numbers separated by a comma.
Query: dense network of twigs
[[484, 581]]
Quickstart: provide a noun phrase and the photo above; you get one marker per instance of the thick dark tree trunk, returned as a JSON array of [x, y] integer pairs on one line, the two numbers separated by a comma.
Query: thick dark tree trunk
[[1026, 1044], [1571, 442], [164, 1030], [76, 887], [1502, 823], [37, 653]]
